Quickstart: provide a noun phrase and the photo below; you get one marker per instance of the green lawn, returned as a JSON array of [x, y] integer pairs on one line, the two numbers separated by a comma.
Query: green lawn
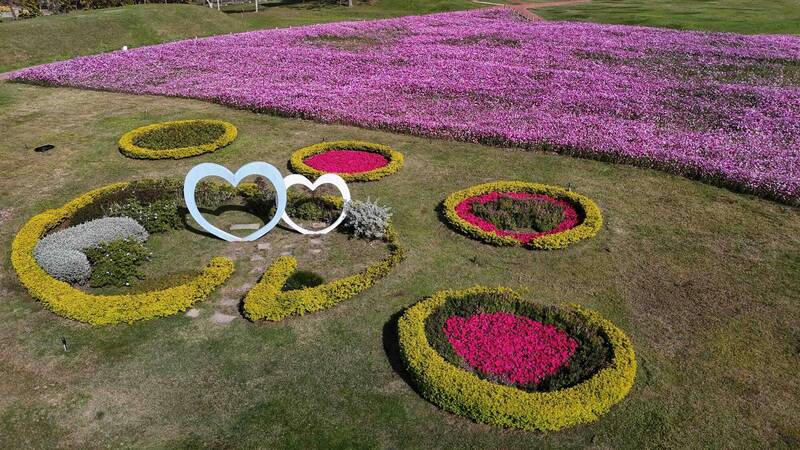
[[46, 39], [703, 280], [738, 16]]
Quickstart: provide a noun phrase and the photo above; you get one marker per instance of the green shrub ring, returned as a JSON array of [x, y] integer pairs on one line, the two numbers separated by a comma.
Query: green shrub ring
[[464, 393], [128, 147], [298, 165], [589, 227], [67, 301]]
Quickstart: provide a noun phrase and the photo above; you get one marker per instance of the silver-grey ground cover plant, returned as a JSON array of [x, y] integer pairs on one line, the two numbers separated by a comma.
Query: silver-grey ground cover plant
[[61, 253], [720, 107], [366, 219]]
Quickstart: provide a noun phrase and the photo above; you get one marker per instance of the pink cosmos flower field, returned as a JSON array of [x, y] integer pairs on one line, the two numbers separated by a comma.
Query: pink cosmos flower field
[[724, 108]]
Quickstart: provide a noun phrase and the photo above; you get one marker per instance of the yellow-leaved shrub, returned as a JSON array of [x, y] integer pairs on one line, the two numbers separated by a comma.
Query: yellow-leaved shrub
[[65, 300], [590, 225], [395, 158], [267, 301], [461, 392]]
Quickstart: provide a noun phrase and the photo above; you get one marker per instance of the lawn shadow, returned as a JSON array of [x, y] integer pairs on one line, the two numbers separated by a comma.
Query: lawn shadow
[[391, 346]]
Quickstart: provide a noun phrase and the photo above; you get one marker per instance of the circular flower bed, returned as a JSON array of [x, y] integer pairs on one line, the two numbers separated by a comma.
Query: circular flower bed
[[489, 355], [520, 213], [177, 139], [68, 301], [352, 160]]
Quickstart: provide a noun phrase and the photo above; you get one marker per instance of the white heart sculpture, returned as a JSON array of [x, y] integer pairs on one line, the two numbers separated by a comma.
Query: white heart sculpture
[[328, 178], [205, 170]]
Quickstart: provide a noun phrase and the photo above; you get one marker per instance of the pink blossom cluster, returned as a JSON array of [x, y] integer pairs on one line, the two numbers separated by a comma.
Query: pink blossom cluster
[[718, 107], [464, 211], [346, 161], [515, 348]]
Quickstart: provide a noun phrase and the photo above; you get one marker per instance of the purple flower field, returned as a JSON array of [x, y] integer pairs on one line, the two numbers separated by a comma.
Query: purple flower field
[[722, 108]]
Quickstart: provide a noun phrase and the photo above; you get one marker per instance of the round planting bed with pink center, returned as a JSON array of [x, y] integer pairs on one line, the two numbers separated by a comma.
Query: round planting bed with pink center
[[520, 213], [352, 160], [495, 357]]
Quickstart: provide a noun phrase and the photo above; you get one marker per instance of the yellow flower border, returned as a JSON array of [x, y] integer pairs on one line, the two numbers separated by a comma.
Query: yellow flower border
[[589, 227], [464, 393], [128, 148], [298, 165], [266, 300], [67, 301]]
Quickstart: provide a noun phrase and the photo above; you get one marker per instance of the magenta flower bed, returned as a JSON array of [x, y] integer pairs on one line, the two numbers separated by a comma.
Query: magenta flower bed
[[514, 348], [691, 103], [464, 210], [346, 161]]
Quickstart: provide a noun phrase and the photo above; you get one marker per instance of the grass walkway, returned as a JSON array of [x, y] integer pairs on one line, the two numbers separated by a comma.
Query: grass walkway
[[738, 16]]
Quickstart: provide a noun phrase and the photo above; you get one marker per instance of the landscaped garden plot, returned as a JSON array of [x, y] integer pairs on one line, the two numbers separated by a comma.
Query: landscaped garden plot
[[699, 278], [718, 107]]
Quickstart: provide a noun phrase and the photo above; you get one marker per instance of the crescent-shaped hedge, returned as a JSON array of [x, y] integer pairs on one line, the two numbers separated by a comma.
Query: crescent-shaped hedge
[[67, 301], [267, 301], [461, 392], [395, 158], [590, 225], [127, 143]]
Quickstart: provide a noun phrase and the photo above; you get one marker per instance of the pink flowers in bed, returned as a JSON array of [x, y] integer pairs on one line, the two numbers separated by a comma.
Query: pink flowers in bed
[[514, 348], [464, 210], [346, 161]]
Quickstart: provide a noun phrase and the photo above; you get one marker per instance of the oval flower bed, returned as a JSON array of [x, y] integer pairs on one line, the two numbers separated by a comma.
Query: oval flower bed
[[177, 139], [68, 301], [351, 160], [489, 355], [551, 217]]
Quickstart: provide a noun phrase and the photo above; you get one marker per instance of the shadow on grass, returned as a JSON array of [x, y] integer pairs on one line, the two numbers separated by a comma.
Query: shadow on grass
[[391, 346]]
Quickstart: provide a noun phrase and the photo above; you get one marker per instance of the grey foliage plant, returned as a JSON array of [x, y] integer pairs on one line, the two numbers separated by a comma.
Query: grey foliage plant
[[61, 253], [366, 219]]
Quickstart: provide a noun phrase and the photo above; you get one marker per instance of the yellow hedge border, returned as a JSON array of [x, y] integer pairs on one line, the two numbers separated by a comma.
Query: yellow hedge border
[[589, 227], [298, 165], [128, 148], [464, 393], [266, 300], [67, 301]]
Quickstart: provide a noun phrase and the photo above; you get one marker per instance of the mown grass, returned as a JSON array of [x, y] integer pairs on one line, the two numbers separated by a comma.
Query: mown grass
[[704, 281], [737, 16], [45, 39]]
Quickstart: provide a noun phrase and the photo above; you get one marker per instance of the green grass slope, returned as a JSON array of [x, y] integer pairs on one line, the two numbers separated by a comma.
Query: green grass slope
[[45, 39], [738, 16]]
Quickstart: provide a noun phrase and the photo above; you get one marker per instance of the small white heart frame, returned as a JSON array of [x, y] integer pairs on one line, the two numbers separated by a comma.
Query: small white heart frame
[[274, 176], [328, 178]]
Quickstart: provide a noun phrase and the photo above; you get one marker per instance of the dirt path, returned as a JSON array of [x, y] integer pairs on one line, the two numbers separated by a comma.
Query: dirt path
[[525, 8]]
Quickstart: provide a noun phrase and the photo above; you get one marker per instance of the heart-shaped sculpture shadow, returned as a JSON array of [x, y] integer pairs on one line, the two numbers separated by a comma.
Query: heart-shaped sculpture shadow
[[328, 178], [206, 170]]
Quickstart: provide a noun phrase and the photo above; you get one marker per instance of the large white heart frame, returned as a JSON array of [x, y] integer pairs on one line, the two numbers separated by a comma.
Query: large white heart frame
[[274, 176]]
